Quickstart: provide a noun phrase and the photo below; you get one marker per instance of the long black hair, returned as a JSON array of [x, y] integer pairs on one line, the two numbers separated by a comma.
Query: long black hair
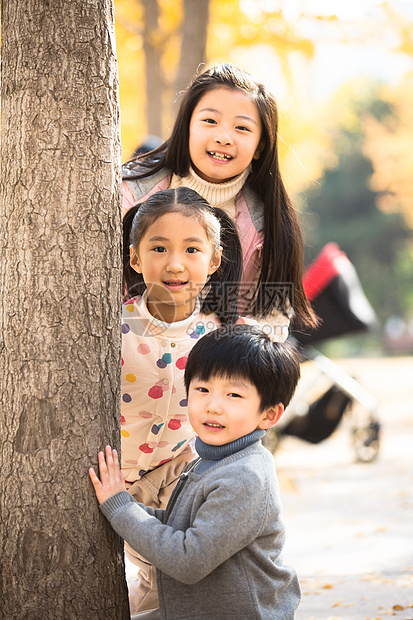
[[283, 255], [220, 295]]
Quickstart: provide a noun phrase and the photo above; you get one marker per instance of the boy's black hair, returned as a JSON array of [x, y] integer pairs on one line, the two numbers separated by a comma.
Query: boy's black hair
[[246, 352], [220, 295]]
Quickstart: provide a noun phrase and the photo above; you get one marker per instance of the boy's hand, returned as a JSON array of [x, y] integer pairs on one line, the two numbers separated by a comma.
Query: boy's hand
[[111, 478]]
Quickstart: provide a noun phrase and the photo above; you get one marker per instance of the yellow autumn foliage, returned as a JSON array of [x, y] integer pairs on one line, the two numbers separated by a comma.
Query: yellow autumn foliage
[[389, 145], [230, 29], [259, 31]]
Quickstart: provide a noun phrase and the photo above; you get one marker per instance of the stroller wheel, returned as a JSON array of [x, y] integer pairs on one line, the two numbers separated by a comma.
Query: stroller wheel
[[366, 441]]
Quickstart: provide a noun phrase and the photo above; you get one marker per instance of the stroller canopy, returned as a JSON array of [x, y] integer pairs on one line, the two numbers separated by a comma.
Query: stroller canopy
[[335, 292]]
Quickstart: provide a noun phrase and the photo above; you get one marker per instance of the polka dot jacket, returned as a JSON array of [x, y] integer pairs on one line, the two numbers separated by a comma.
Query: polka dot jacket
[[154, 418]]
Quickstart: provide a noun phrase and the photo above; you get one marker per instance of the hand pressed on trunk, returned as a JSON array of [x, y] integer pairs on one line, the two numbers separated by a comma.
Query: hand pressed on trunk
[[111, 477]]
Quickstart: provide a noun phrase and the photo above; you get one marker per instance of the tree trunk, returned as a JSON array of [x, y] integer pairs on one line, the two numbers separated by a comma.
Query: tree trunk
[[60, 275], [154, 81], [194, 39]]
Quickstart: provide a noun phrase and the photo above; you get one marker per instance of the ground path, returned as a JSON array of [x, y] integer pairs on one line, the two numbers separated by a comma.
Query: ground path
[[350, 525]]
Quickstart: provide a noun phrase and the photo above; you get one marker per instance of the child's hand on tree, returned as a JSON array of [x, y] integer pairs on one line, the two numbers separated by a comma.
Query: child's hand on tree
[[111, 478]]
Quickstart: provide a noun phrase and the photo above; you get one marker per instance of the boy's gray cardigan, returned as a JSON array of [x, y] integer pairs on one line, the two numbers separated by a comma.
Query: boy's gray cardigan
[[218, 549]]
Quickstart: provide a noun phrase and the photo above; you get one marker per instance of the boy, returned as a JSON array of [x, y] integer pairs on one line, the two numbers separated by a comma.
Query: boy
[[217, 547]]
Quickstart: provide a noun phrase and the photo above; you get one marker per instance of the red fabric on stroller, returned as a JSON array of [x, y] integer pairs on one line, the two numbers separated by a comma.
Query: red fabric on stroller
[[335, 292]]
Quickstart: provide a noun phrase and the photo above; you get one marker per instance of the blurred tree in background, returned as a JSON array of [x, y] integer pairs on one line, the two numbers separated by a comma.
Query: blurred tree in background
[[345, 208], [357, 175], [169, 41], [161, 45], [348, 161], [388, 145], [389, 139]]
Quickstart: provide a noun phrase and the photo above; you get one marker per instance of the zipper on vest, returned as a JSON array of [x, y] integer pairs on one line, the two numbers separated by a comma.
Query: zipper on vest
[[179, 487], [258, 249]]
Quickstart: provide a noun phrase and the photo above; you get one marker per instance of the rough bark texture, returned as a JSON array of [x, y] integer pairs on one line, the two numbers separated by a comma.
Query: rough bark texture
[[60, 273]]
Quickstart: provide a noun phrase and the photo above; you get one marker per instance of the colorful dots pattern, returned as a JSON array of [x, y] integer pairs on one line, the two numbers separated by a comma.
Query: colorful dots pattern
[[155, 392], [180, 416], [198, 331], [174, 424], [156, 420], [181, 362], [156, 428], [164, 361], [178, 445]]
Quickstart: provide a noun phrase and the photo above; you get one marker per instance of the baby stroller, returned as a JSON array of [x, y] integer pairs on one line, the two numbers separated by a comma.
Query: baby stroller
[[334, 290]]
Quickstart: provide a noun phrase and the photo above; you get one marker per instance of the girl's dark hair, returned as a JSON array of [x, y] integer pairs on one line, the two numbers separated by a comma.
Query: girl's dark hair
[[283, 255], [246, 352], [220, 295]]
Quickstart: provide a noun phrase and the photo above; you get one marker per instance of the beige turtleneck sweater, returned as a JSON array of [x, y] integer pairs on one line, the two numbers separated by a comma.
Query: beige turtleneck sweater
[[217, 194]]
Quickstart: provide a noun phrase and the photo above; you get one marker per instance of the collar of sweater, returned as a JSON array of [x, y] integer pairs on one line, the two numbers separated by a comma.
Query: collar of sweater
[[217, 194], [207, 452], [156, 327]]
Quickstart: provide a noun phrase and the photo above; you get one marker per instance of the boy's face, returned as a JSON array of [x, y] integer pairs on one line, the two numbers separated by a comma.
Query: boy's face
[[224, 409]]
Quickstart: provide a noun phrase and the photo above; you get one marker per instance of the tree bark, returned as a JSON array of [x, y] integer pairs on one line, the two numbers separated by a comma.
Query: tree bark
[[60, 283]]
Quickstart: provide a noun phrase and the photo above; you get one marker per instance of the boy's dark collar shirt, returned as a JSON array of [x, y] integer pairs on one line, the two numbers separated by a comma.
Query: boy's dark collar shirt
[[211, 454]]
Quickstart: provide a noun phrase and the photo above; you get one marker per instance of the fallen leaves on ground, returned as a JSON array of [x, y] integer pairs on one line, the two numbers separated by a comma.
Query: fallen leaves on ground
[[340, 603]]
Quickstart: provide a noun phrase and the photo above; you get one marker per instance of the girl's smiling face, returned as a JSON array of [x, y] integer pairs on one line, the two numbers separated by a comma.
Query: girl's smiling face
[[224, 134], [175, 258]]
